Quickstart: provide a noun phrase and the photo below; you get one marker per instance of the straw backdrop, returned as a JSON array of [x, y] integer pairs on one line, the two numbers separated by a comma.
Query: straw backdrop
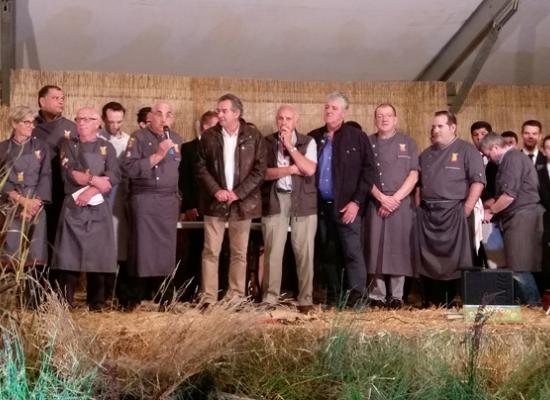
[[504, 106]]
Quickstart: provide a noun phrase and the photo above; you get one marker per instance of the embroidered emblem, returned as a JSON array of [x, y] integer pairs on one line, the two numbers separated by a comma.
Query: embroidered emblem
[[21, 177], [131, 142], [103, 150], [38, 154], [64, 161], [67, 134], [454, 157], [403, 147]]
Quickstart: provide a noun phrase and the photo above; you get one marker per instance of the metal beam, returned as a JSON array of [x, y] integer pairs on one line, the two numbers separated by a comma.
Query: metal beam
[[483, 55], [7, 45], [465, 40]]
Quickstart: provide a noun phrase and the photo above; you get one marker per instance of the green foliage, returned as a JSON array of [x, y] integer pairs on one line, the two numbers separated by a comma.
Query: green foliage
[[19, 382]]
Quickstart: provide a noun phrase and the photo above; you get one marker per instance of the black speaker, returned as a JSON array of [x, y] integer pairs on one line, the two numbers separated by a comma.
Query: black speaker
[[488, 287]]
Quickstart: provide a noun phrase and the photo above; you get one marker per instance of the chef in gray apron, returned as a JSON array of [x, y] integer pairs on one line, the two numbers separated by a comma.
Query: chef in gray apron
[[452, 178], [85, 238]]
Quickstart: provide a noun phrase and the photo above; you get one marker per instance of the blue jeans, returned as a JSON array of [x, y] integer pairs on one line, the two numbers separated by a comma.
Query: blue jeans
[[528, 291]]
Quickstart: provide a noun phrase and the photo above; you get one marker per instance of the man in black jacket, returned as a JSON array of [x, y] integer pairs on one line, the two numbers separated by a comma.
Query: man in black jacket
[[345, 176]]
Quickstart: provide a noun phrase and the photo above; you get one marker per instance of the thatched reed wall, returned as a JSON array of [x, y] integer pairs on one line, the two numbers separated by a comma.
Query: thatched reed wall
[[506, 107], [190, 97]]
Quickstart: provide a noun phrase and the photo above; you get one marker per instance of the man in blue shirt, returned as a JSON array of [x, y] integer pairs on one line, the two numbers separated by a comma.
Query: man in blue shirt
[[345, 177]]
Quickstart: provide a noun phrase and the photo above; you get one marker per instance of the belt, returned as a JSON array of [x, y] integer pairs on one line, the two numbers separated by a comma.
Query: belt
[[285, 191]]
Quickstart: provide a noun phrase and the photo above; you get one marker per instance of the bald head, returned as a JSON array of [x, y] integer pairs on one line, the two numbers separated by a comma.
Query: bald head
[[161, 116], [286, 118]]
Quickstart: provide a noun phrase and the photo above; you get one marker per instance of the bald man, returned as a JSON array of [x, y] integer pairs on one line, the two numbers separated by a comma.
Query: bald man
[[289, 197], [85, 238], [151, 162]]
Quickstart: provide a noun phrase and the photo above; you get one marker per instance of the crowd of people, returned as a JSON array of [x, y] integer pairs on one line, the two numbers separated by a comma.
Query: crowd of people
[[366, 214]]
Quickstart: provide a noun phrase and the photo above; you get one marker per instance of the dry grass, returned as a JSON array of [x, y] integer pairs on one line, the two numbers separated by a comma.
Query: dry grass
[[148, 354]]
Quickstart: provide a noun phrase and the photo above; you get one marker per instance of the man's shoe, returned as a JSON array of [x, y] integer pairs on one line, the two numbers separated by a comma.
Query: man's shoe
[[307, 309], [373, 303], [395, 304]]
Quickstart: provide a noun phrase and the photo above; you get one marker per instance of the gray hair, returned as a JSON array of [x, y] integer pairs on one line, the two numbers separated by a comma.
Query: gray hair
[[236, 103], [339, 96], [19, 113], [490, 140]]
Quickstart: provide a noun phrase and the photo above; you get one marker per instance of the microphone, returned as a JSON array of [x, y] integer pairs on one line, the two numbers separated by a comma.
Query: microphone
[[166, 130]]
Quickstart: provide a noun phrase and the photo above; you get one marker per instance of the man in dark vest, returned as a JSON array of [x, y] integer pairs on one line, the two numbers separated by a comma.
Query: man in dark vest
[[289, 197]]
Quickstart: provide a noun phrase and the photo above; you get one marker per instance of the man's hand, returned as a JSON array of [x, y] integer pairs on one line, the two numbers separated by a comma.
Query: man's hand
[[286, 138], [101, 183], [467, 210], [163, 148], [80, 177], [294, 170], [383, 212], [222, 195], [232, 197], [84, 198], [487, 215], [349, 212], [191, 214], [390, 203]]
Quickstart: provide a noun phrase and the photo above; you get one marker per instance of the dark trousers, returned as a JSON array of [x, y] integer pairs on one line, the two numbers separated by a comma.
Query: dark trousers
[[35, 286], [98, 288], [437, 292], [66, 283], [188, 275], [97, 285], [134, 289], [340, 250]]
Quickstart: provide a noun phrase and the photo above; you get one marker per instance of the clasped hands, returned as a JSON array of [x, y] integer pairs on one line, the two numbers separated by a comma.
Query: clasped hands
[[388, 204]]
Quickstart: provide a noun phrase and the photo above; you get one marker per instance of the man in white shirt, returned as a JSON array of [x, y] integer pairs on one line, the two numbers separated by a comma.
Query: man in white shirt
[[230, 169], [531, 133], [289, 197]]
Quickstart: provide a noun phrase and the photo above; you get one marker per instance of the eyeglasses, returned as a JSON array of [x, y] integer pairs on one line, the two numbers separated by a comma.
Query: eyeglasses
[[84, 119], [27, 122]]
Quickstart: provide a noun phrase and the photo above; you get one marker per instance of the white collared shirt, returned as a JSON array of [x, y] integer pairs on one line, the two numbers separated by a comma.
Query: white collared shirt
[[535, 154], [229, 147], [285, 182], [119, 141]]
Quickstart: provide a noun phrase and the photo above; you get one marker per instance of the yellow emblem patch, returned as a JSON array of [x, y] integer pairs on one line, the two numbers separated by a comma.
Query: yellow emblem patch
[[103, 150], [67, 134], [21, 177], [131, 142], [38, 154], [402, 147], [454, 157]]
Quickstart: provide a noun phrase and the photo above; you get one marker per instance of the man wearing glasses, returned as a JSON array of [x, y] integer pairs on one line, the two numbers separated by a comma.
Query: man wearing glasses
[[151, 163]]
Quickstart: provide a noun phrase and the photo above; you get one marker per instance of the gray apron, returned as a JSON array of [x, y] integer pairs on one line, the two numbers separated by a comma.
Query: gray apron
[[85, 238], [444, 239]]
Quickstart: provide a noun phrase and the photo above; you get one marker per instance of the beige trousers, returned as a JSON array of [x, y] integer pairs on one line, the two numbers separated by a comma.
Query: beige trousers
[[214, 230], [275, 231]]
